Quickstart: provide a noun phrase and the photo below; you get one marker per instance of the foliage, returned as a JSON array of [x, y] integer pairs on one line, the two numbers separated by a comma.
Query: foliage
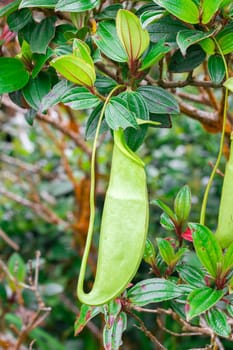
[[73, 68]]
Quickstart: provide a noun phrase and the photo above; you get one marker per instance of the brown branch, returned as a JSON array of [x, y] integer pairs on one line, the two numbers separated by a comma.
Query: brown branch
[[19, 163], [186, 334], [77, 139], [194, 98], [145, 330], [191, 82], [207, 118], [9, 241], [39, 208], [102, 67]]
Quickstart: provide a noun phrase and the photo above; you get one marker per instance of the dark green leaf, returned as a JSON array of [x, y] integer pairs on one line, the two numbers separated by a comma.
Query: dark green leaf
[[154, 54], [36, 89], [188, 37], [109, 12], [38, 3], [191, 275], [86, 314], [117, 114], [202, 299], [18, 19], [112, 336], [41, 34], [165, 29], [194, 57], [80, 98], [166, 251], [136, 105], [165, 208], [104, 84], [163, 119], [207, 248], [9, 8], [93, 121], [39, 61], [159, 100], [55, 95], [30, 116], [216, 68], [217, 320], [186, 10], [76, 6], [153, 290], [13, 75], [182, 204], [107, 41]]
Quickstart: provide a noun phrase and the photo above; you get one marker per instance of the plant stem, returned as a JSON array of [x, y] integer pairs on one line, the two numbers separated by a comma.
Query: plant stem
[[207, 190]]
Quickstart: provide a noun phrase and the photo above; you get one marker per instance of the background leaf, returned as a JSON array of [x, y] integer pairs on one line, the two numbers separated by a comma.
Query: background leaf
[[186, 10], [76, 6], [217, 320]]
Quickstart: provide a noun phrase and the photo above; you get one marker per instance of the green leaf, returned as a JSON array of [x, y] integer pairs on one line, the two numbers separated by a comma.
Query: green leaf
[[182, 204], [13, 75], [18, 19], [17, 269], [159, 100], [228, 259], [30, 116], [208, 45], [104, 84], [82, 50], [207, 248], [208, 9], [225, 39], [42, 34], [229, 84], [76, 6], [149, 252], [153, 290], [165, 29], [36, 89], [186, 10], [9, 8], [150, 16], [134, 39], [117, 114], [109, 12], [38, 3], [93, 121], [164, 120], [216, 68], [191, 275], [39, 61], [112, 336], [107, 41], [154, 54], [188, 37], [193, 58], [55, 95], [166, 222], [165, 208], [75, 69], [202, 299], [136, 105], [80, 98], [166, 251], [217, 321], [86, 314]]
